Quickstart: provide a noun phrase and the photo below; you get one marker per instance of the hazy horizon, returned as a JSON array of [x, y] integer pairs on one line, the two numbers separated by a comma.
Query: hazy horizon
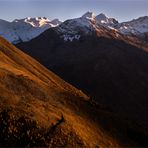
[[64, 9]]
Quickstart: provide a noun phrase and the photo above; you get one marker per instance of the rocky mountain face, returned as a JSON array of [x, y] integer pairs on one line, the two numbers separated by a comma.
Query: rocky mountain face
[[137, 27], [87, 24]]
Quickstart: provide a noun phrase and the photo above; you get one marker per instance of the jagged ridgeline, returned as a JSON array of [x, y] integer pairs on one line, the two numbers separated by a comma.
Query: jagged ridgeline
[[22, 30]]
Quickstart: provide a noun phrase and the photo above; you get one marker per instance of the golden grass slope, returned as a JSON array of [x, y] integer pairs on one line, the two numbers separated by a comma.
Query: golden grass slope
[[37, 108]]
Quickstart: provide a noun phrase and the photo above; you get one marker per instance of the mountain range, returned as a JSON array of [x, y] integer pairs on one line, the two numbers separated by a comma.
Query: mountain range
[[93, 91], [22, 30]]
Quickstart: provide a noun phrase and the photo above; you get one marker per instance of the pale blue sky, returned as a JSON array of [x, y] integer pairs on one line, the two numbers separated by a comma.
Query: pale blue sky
[[122, 10]]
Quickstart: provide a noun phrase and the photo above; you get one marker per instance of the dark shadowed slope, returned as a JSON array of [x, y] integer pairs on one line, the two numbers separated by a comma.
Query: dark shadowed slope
[[112, 70], [39, 109]]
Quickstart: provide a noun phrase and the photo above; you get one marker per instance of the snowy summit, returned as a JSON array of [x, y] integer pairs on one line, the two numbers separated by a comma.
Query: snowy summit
[[22, 30]]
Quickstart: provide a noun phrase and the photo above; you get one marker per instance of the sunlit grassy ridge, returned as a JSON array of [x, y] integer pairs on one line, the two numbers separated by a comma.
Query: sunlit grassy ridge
[[37, 108]]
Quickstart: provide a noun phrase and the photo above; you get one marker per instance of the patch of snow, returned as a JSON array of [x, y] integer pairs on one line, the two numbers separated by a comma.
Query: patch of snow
[[70, 38]]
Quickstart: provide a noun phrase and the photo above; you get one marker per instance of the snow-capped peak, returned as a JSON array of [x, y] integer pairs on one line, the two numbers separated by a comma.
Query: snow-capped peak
[[137, 26], [74, 26], [38, 21], [103, 19], [21, 30], [73, 29], [35, 22], [101, 16], [56, 22], [89, 15]]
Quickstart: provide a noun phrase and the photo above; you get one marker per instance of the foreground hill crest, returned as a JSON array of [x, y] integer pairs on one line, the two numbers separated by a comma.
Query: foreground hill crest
[[38, 109]]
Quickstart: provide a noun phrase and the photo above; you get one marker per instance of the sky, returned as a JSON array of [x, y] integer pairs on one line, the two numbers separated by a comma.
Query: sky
[[122, 10]]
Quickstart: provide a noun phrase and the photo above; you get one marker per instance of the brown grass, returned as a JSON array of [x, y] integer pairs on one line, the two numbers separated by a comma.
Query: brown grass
[[37, 108]]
